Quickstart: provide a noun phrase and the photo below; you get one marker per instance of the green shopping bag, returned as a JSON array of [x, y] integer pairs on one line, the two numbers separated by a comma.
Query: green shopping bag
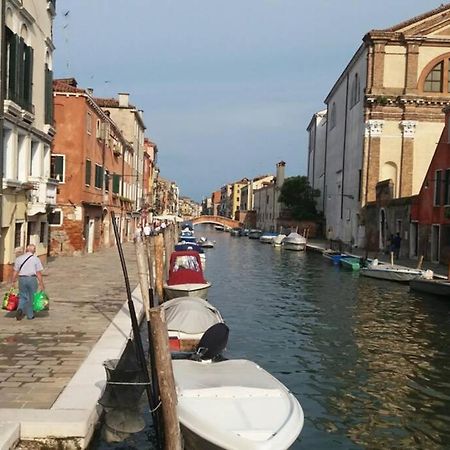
[[41, 301]]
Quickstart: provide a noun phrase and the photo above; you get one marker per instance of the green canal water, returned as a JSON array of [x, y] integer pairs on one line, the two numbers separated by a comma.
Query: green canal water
[[368, 360]]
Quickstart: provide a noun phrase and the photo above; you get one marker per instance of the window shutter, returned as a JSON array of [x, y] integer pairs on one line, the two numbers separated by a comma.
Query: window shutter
[[116, 183], [87, 179], [21, 73], [48, 96], [28, 78], [13, 42]]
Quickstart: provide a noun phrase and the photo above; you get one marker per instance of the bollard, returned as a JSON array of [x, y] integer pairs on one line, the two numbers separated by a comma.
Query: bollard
[[166, 382], [419, 264], [392, 258]]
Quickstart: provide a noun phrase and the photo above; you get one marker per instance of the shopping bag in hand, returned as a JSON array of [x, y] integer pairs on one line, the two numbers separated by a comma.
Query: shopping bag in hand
[[11, 300], [40, 301]]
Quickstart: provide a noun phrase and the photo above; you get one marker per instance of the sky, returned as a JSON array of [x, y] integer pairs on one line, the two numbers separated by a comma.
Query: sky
[[227, 88]]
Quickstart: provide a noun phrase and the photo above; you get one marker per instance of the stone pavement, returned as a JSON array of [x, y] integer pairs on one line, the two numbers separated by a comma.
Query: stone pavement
[[39, 357]]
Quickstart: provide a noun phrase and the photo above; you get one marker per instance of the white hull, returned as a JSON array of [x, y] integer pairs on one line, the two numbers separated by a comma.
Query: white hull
[[435, 287], [266, 239], [298, 247], [278, 240], [235, 405], [391, 273], [187, 290]]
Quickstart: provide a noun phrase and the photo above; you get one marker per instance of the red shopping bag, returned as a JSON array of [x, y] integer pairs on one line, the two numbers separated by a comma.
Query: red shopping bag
[[11, 300]]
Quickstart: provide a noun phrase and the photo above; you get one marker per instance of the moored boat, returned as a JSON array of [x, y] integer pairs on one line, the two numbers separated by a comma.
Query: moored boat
[[205, 243], [256, 411], [186, 276], [183, 246], [333, 256], [278, 240], [351, 262], [294, 241], [254, 233], [236, 231], [267, 237], [219, 227], [187, 319], [390, 272], [431, 285]]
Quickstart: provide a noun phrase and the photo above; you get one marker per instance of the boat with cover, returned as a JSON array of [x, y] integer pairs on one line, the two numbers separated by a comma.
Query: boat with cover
[[232, 404], [187, 235], [267, 237], [254, 233], [187, 319], [429, 283], [236, 231], [180, 247], [186, 276], [294, 241], [391, 272]]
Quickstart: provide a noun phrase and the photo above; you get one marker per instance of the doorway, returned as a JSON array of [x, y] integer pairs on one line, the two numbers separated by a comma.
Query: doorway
[[382, 236], [414, 240]]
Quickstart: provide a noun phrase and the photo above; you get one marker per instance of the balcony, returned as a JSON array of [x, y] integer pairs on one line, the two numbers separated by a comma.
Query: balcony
[[42, 196]]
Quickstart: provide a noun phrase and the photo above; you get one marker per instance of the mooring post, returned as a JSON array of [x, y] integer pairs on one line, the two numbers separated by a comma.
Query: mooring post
[[159, 267], [419, 264], [143, 272], [166, 382], [167, 249]]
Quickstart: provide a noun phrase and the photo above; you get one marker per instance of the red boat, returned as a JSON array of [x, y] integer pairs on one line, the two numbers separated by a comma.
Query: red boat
[[186, 276]]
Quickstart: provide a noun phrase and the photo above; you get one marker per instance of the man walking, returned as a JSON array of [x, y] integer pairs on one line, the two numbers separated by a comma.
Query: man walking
[[28, 268]]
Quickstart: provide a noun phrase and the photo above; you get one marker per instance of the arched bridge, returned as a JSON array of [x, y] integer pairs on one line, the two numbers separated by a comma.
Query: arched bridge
[[219, 220]]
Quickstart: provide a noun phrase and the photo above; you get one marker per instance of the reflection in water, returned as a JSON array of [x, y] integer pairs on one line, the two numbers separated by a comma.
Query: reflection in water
[[367, 359]]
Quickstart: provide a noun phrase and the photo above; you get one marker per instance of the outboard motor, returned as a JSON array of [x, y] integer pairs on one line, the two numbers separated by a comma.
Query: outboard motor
[[212, 343]]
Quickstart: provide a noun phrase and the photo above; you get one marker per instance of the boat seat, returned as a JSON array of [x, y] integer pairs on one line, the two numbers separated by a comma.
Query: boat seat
[[230, 392]]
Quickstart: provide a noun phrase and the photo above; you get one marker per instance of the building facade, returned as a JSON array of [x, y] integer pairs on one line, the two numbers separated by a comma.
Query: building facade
[[28, 193], [93, 162], [384, 116]]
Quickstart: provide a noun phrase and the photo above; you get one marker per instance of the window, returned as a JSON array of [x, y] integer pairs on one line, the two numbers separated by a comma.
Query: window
[[434, 79], [107, 177], [55, 218], [87, 174], [333, 116], [447, 187], [57, 167], [116, 183], [43, 233], [18, 235], [19, 70], [98, 176], [355, 95], [89, 123], [437, 187]]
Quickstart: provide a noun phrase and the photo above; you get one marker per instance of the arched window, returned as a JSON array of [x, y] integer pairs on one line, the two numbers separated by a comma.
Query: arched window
[[434, 79], [389, 172]]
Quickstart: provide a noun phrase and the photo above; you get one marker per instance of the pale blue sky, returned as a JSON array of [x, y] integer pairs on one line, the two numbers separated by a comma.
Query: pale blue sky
[[227, 88]]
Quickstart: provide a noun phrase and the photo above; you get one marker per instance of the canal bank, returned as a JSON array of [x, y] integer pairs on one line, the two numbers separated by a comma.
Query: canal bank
[[51, 372]]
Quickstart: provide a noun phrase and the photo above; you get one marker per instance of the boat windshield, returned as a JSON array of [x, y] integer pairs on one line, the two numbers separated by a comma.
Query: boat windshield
[[186, 262]]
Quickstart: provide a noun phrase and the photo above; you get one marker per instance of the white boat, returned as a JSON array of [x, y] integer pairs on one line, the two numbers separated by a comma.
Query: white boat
[[219, 227], [278, 240], [267, 237], [429, 283], [187, 319], [205, 243], [234, 405], [254, 233], [294, 241], [391, 272]]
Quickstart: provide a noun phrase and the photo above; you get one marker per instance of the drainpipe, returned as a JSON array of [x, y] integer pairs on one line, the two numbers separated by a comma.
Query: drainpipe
[[2, 120]]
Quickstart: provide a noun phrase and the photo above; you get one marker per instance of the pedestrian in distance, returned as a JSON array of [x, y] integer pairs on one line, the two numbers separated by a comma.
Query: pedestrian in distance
[[397, 241], [28, 269], [137, 233], [147, 230]]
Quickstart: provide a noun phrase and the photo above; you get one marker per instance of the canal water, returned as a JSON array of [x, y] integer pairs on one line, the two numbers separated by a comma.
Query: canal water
[[368, 360]]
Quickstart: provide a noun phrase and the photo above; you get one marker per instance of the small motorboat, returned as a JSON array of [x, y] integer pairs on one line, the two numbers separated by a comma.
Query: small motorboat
[[429, 283], [219, 227], [236, 232], [391, 272], [278, 240], [235, 405], [350, 262], [294, 241], [267, 237], [333, 256], [181, 247], [205, 243], [254, 233], [245, 232], [187, 319], [186, 276]]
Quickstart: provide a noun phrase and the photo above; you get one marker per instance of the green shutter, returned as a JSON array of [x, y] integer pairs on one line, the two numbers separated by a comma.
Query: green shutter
[[13, 42], [48, 96], [28, 78], [21, 72], [87, 177], [116, 184]]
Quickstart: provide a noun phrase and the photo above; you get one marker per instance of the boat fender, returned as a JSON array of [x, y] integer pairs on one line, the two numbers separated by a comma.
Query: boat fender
[[428, 274]]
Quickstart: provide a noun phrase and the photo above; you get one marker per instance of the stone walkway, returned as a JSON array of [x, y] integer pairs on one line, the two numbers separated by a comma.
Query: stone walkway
[[39, 357]]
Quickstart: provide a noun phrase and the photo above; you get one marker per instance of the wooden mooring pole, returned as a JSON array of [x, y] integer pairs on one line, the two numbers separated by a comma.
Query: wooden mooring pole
[[166, 382], [167, 250], [159, 267]]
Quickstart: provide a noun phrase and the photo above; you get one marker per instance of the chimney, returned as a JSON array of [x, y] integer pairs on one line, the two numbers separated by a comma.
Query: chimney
[[90, 91], [280, 174], [123, 100]]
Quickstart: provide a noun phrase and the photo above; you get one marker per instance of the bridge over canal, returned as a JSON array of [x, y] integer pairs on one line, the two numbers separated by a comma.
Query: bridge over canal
[[216, 220]]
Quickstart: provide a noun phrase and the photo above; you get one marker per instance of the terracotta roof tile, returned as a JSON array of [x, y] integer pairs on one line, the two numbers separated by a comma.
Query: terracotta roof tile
[[110, 103], [63, 86]]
